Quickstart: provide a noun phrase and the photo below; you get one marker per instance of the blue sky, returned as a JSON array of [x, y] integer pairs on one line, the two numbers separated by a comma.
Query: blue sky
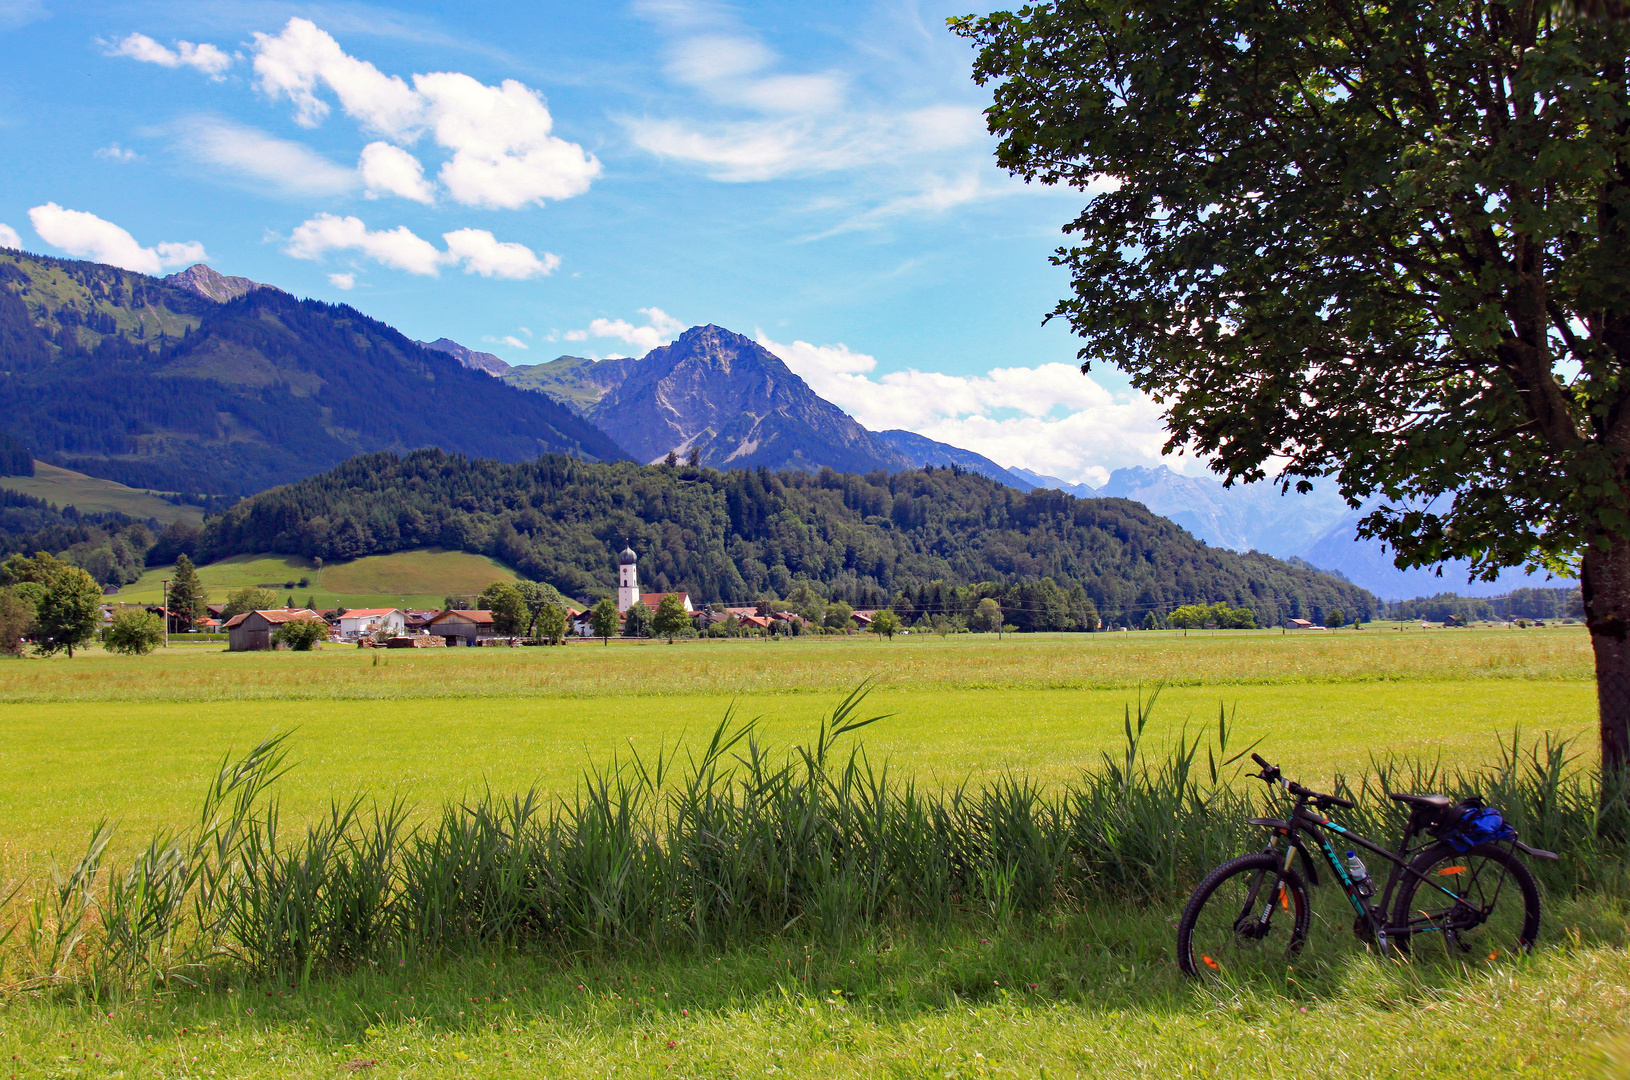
[[536, 179]]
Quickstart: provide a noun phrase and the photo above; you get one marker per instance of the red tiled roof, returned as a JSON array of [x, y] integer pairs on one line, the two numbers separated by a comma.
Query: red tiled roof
[[652, 599], [368, 613], [479, 618]]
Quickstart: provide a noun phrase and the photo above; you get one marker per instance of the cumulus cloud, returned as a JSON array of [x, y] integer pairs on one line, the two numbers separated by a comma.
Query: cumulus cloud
[[342, 281], [503, 154], [1049, 418], [265, 161], [508, 339], [390, 170], [482, 253], [477, 250], [88, 236], [9, 237], [206, 58], [115, 152], [659, 329], [398, 248]]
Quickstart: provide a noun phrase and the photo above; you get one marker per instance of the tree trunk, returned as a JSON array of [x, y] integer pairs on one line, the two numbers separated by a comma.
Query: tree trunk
[[1605, 581]]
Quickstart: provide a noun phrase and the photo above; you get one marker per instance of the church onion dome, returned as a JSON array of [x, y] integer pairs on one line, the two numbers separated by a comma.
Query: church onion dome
[[627, 558]]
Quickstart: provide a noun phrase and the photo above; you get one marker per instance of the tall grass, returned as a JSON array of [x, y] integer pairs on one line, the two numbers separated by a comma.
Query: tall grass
[[694, 848]]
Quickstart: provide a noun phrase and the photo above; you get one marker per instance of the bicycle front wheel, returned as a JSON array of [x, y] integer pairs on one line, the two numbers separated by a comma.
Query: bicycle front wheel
[[1473, 907], [1249, 914]]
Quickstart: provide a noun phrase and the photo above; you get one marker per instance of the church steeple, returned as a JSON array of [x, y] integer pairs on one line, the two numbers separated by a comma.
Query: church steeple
[[628, 579]]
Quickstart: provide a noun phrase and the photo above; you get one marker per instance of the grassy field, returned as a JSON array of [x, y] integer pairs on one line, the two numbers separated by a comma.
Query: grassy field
[[65, 487], [1089, 993], [133, 739], [398, 580], [1083, 996]]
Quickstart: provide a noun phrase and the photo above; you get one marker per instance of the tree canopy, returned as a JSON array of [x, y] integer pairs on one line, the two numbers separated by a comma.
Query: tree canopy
[[810, 537], [1384, 244]]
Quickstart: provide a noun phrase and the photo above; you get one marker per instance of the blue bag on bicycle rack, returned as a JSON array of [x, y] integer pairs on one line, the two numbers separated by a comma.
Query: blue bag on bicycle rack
[[1469, 823]]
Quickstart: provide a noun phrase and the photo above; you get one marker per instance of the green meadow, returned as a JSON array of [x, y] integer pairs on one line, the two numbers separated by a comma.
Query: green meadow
[[92, 495], [1079, 992], [132, 739], [419, 579]]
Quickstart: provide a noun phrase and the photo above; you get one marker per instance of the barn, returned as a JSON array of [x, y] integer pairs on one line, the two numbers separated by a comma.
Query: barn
[[253, 629]]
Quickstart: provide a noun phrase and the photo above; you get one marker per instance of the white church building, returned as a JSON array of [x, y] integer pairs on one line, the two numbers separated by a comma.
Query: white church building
[[628, 593]]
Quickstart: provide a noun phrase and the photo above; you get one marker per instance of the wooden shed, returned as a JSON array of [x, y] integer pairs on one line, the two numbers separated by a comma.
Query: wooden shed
[[253, 629], [461, 627]]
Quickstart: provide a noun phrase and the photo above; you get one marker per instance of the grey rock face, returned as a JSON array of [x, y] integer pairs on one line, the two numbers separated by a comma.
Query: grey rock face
[[736, 402], [475, 361], [200, 279]]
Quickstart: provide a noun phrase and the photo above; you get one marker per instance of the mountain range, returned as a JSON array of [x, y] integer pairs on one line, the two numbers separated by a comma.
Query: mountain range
[[162, 383], [737, 405], [214, 384]]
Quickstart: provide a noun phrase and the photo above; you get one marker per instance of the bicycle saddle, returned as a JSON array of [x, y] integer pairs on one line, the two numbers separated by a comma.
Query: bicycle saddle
[[1431, 802]]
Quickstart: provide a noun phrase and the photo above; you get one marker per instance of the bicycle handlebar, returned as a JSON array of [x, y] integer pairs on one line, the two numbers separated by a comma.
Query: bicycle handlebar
[[1271, 774]]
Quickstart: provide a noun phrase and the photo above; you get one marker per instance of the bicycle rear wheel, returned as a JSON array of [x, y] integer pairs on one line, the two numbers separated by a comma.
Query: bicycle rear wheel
[[1473, 907], [1249, 914]]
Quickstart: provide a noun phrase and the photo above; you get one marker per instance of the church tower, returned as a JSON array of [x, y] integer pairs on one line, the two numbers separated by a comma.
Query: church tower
[[628, 580]]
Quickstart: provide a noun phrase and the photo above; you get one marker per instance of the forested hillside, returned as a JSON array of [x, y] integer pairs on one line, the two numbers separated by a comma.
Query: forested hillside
[[138, 380], [733, 536]]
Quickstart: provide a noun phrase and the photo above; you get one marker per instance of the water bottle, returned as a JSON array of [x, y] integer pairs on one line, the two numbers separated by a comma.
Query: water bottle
[[1360, 875]]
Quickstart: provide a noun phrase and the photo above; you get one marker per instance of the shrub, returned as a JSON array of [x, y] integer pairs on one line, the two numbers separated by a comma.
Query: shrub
[[135, 632], [300, 634]]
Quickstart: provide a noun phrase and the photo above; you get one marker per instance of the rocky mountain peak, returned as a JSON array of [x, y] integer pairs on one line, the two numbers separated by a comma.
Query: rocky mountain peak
[[203, 281], [477, 361]]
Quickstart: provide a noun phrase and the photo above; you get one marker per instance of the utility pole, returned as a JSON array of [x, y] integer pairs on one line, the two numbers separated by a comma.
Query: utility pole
[[165, 594]]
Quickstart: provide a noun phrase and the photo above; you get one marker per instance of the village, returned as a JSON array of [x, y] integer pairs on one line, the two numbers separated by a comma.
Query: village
[[403, 628]]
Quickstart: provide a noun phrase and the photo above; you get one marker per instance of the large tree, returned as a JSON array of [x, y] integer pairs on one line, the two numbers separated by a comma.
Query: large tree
[[67, 601], [1388, 244], [187, 596]]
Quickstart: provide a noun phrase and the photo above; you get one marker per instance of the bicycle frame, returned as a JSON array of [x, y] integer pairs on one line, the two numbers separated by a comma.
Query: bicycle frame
[[1304, 819]]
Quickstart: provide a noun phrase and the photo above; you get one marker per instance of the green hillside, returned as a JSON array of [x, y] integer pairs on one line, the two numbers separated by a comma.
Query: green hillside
[[880, 539], [414, 579], [91, 495], [138, 380]]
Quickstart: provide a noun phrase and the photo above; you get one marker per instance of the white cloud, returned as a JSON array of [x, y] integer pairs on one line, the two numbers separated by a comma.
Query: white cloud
[[796, 123], [342, 281], [477, 250], [9, 237], [508, 339], [88, 236], [206, 58], [299, 61], [659, 329], [749, 150], [398, 248], [503, 154], [390, 170], [481, 253], [1049, 418], [289, 168], [115, 152]]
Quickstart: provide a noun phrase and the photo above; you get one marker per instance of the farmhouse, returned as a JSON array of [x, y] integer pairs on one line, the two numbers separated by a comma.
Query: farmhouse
[[253, 629], [461, 627], [1298, 624], [363, 622]]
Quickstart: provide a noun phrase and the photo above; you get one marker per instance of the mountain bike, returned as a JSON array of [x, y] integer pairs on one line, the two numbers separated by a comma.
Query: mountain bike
[[1458, 890]]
